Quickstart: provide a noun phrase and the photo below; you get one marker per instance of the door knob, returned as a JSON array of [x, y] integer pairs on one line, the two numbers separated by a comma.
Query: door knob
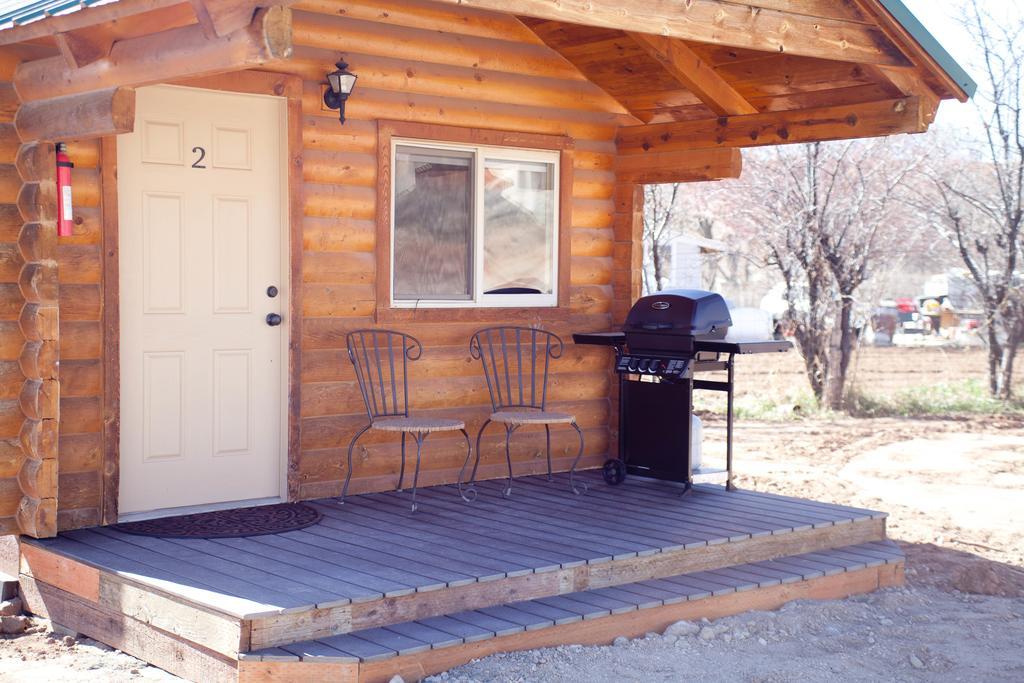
[[273, 319]]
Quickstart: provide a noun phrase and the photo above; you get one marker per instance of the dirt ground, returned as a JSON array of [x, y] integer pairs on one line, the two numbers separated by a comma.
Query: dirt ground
[[952, 487], [878, 370], [42, 656]]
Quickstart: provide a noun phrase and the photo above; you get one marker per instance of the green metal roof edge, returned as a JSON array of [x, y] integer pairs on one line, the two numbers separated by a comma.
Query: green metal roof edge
[[932, 46]]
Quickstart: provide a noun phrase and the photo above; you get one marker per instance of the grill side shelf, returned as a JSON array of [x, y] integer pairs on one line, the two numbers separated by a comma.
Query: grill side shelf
[[742, 348], [600, 338], [709, 345]]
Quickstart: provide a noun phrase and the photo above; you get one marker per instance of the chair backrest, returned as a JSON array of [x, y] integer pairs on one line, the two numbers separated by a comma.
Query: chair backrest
[[381, 361], [515, 362]]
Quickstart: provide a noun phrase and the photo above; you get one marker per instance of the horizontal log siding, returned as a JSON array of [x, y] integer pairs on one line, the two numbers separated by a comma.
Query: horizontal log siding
[[420, 62], [11, 339], [444, 65], [79, 259]]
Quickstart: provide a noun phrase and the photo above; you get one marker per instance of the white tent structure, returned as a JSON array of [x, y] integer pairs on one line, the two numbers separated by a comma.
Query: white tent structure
[[688, 254]]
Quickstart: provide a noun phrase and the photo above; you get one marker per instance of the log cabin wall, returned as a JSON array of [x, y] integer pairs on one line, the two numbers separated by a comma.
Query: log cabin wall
[[29, 349], [79, 259], [420, 63], [11, 339], [457, 67]]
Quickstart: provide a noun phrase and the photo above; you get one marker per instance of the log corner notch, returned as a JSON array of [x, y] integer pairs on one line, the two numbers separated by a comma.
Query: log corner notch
[[170, 55], [40, 354], [871, 119]]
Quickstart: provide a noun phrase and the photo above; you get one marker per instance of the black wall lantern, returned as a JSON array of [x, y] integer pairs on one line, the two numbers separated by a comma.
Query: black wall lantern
[[340, 84]]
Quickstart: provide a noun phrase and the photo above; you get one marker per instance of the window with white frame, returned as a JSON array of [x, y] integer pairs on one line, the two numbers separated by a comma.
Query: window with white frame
[[473, 225]]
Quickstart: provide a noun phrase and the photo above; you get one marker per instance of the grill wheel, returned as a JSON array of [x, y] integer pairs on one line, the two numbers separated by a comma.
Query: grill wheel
[[614, 471]]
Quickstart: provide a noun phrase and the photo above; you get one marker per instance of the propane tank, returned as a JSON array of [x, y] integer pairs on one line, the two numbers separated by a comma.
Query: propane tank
[[696, 439], [65, 210]]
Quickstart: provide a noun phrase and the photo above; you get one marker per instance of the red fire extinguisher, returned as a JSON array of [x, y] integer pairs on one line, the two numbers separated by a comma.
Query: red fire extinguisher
[[65, 212]]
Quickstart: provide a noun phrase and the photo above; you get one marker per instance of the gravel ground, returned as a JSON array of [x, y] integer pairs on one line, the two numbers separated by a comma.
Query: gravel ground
[[904, 634], [42, 656]]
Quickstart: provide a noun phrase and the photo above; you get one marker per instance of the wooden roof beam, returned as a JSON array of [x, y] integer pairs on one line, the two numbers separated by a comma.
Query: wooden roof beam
[[221, 17], [910, 84], [679, 167], [85, 17], [77, 117], [169, 55], [719, 23], [872, 119], [80, 49], [696, 75]]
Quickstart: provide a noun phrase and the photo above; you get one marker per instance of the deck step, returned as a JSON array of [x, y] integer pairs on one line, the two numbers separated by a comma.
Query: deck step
[[383, 643]]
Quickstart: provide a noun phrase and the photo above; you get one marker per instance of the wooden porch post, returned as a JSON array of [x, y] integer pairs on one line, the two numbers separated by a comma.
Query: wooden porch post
[[627, 273], [627, 278]]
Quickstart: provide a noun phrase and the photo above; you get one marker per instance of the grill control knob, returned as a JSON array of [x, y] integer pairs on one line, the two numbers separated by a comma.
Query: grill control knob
[[631, 365], [642, 365]]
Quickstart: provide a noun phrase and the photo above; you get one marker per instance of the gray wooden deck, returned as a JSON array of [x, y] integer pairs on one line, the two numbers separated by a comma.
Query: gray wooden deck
[[373, 546]]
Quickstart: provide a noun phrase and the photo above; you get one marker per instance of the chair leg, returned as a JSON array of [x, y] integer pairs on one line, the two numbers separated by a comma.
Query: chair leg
[[401, 472], [509, 430], [572, 470], [348, 471], [469, 495], [547, 435], [476, 463], [420, 438]]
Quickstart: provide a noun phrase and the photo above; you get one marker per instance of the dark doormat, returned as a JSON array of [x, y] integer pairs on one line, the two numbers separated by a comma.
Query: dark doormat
[[236, 523]]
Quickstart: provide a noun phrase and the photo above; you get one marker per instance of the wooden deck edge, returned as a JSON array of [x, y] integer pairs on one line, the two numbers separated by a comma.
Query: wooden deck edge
[[139, 639], [596, 632], [177, 616], [228, 635], [284, 629]]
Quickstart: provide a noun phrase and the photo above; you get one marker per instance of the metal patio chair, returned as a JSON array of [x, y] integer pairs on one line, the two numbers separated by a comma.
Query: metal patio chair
[[381, 360], [515, 361]]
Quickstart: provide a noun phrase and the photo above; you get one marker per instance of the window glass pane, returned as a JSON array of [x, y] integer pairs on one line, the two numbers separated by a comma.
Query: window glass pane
[[433, 243], [519, 227]]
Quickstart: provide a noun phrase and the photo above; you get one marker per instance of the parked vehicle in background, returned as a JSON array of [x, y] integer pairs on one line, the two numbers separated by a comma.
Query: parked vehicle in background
[[884, 322], [908, 316]]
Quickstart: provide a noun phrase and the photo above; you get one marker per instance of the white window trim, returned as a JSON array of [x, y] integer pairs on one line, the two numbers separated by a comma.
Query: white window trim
[[479, 299]]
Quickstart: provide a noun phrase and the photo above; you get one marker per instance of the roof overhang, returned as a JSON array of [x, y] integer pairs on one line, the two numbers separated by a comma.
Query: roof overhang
[[25, 21], [681, 76], [930, 51]]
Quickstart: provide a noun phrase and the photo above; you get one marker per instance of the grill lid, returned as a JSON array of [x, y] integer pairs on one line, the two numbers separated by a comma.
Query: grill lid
[[681, 312]]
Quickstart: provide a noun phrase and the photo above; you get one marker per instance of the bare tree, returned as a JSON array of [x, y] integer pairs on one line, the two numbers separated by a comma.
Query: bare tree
[[828, 214], [673, 210], [980, 206], [662, 216]]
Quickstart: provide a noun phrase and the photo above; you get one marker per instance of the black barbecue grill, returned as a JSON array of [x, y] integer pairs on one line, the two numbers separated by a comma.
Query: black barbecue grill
[[668, 337]]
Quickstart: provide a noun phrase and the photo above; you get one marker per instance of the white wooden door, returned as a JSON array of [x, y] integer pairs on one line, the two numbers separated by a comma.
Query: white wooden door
[[201, 192]]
